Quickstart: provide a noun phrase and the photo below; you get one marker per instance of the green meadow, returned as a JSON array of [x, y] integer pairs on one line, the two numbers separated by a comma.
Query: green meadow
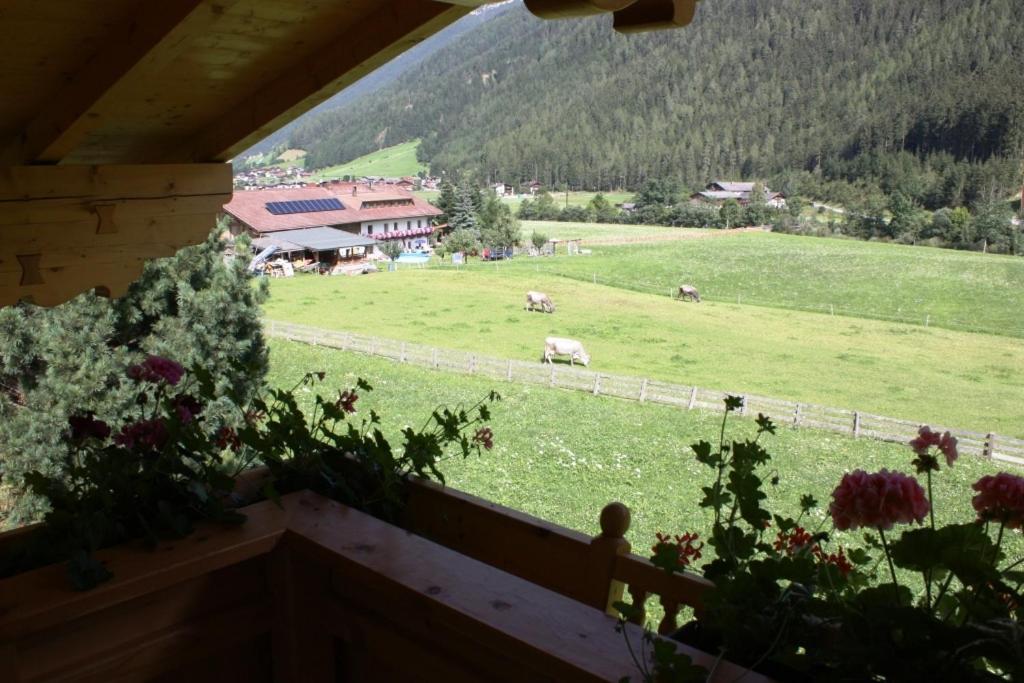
[[954, 289], [935, 375], [563, 455]]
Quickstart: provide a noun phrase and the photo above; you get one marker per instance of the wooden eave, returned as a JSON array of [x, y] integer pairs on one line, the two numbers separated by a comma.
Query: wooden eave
[[112, 83]]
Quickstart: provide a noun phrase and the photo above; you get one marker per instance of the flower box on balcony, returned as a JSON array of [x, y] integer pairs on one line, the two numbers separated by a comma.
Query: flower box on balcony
[[316, 591]]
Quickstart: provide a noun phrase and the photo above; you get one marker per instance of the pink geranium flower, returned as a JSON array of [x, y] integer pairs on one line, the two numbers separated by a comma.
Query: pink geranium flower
[[945, 442], [156, 369], [877, 501], [1000, 498]]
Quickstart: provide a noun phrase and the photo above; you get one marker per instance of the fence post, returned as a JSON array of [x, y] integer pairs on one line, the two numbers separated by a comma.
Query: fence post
[[472, 363], [693, 399], [796, 416], [272, 328], [927, 319], [599, 584], [433, 357], [597, 384], [990, 445], [743, 404], [373, 346], [643, 390], [313, 342], [401, 356], [509, 369], [551, 383], [856, 424]]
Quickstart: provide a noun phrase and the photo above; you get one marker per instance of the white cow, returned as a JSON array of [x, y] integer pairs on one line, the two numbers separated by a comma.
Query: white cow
[[539, 299], [556, 346]]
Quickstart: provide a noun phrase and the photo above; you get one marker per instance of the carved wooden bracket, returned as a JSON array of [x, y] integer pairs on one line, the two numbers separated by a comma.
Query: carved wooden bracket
[[631, 16], [563, 9], [655, 15]]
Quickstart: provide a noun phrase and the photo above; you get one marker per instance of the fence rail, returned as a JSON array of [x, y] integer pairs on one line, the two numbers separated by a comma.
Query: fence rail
[[856, 423]]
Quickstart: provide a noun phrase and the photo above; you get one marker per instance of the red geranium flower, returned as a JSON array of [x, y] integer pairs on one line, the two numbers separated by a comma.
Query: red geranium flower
[[945, 442], [877, 500], [485, 437], [1000, 498], [187, 408], [156, 369], [86, 426], [227, 437], [146, 433], [347, 401]]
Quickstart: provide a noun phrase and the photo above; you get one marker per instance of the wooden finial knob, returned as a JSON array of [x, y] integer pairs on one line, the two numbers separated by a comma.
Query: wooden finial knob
[[614, 520]]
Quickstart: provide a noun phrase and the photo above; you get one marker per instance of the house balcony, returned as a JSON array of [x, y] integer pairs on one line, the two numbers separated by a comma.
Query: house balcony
[[312, 590]]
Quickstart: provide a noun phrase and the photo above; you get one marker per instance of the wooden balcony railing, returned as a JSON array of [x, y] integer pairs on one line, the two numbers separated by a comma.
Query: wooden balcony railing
[[315, 591]]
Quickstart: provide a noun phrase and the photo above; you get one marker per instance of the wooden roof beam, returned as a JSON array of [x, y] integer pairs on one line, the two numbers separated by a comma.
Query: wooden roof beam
[[392, 28], [155, 35], [631, 16]]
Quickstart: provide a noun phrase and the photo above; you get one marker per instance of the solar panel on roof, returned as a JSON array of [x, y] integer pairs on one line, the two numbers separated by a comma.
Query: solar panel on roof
[[304, 206]]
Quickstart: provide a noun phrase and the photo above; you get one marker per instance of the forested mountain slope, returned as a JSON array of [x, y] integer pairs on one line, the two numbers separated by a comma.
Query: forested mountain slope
[[384, 75], [751, 88]]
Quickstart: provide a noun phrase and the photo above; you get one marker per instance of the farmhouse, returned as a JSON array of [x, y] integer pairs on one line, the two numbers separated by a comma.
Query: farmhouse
[[720, 191], [332, 222]]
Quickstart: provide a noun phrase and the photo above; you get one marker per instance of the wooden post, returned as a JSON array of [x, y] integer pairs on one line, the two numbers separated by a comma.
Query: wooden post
[[743, 405], [272, 327], [433, 357], [796, 416], [602, 590], [301, 644], [373, 346], [597, 385], [401, 357], [552, 381], [643, 390], [693, 399], [314, 340], [509, 375], [472, 363], [990, 445], [856, 424], [345, 341]]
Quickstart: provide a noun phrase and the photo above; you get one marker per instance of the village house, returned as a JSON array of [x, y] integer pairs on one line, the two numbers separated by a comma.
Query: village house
[[332, 222], [502, 189], [719, 191]]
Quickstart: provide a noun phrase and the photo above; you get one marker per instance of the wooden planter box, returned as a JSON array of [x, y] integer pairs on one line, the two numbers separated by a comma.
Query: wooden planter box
[[315, 591]]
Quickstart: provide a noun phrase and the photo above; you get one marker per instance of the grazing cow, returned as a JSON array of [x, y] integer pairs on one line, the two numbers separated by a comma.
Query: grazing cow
[[689, 292], [539, 299], [556, 346]]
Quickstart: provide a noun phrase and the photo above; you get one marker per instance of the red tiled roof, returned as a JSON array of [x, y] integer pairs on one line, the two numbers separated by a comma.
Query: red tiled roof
[[250, 208]]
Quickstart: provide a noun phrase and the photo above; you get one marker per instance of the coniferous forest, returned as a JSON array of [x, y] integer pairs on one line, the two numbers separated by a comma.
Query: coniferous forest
[[924, 99]]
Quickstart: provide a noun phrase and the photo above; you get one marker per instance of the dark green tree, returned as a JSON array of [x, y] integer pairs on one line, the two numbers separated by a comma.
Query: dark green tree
[[602, 209], [499, 228], [545, 208], [659, 192], [730, 214], [463, 216], [538, 240], [462, 240], [194, 307], [446, 200]]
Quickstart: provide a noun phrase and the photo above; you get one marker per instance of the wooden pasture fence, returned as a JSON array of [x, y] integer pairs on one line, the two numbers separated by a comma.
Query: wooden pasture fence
[[855, 423]]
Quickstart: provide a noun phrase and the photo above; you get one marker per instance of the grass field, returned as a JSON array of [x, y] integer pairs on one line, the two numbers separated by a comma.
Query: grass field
[[600, 231], [562, 455], [958, 379], [953, 289], [391, 162], [563, 199]]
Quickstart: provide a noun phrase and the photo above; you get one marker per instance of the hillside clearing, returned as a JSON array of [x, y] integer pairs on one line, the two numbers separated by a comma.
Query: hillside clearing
[[390, 162]]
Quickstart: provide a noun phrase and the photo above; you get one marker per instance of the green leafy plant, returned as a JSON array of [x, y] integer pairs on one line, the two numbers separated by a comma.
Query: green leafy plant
[[932, 603], [171, 461]]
